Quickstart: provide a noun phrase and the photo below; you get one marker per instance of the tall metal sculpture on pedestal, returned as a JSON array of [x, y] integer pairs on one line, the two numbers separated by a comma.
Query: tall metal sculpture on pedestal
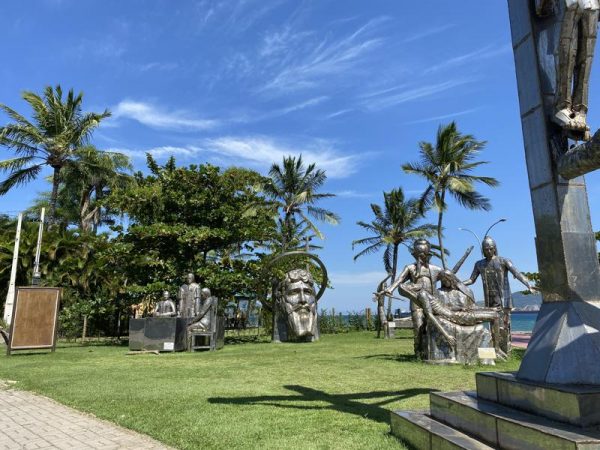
[[554, 399], [553, 47]]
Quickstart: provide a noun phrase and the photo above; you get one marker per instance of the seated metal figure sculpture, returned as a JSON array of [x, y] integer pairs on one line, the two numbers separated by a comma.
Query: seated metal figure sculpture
[[449, 325], [205, 311], [421, 276], [166, 307]]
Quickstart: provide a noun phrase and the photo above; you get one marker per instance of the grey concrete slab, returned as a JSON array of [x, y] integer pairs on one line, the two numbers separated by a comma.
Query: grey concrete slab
[[574, 404], [515, 429], [421, 432], [526, 66]]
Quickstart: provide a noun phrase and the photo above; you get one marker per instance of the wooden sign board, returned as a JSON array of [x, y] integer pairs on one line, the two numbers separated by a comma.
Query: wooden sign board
[[34, 319]]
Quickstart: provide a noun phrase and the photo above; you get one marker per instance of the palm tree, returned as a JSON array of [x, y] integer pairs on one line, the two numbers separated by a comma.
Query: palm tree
[[293, 188], [58, 128], [447, 167], [396, 223]]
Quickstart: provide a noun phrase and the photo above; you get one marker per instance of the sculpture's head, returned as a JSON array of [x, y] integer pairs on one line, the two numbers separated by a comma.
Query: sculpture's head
[[421, 250], [166, 295], [448, 279], [297, 301], [190, 278], [488, 247], [204, 293]]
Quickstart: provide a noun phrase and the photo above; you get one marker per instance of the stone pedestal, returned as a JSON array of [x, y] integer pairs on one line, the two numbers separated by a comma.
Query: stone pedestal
[[505, 413], [165, 334], [468, 340]]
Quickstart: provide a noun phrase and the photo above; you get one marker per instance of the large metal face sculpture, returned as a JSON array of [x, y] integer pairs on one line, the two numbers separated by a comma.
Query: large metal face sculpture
[[297, 302]]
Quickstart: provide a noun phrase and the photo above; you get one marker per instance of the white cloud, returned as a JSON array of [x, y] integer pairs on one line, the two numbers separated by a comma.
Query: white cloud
[[158, 152], [444, 116], [341, 112], [489, 51], [429, 32], [357, 278], [153, 116], [153, 66], [383, 99], [354, 194], [258, 151], [264, 151], [309, 65]]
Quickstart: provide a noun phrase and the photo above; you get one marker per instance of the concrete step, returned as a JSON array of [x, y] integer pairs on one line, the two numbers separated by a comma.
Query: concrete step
[[421, 432], [507, 428], [574, 404]]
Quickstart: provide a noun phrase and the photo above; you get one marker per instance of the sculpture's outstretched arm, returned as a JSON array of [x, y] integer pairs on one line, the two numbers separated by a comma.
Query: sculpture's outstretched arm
[[473, 276], [518, 275]]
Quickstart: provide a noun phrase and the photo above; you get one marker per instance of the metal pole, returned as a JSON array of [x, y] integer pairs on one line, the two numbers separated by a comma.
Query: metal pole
[[10, 297], [476, 237], [36, 266], [493, 225]]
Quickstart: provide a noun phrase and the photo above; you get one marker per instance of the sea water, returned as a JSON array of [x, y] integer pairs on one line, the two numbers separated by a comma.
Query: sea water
[[523, 321]]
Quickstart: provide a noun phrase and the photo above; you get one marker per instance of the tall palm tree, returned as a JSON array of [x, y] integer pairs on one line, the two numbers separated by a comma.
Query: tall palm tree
[[292, 187], [396, 223], [447, 167], [58, 127]]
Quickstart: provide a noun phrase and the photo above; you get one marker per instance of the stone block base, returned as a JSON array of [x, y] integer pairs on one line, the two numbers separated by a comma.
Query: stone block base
[[504, 413]]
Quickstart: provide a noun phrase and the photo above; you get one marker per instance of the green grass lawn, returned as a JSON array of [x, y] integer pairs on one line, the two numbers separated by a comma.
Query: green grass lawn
[[335, 393]]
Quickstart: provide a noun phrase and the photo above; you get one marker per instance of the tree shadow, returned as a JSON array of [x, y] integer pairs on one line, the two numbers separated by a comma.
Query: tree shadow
[[391, 357], [345, 403]]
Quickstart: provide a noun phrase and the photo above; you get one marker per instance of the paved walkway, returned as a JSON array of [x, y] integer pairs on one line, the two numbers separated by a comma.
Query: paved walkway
[[520, 339], [29, 421]]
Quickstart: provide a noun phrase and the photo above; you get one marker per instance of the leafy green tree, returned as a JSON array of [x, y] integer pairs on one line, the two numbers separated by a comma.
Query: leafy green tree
[[57, 129], [191, 220], [293, 190], [394, 224], [447, 167]]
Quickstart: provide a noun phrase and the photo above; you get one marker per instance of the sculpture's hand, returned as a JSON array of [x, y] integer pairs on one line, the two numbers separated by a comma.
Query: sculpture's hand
[[451, 340], [533, 290]]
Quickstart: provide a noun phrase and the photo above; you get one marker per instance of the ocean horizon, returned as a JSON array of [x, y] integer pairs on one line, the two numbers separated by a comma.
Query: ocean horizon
[[523, 322]]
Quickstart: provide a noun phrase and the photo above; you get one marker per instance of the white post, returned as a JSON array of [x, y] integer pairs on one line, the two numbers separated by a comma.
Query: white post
[[36, 266], [10, 298]]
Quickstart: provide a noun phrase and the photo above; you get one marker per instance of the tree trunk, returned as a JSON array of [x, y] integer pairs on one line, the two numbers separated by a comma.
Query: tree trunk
[[54, 195], [439, 232], [394, 270], [84, 331]]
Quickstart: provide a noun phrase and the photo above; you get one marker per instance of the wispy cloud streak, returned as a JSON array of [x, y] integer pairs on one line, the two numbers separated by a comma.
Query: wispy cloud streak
[[429, 32], [382, 101], [487, 52], [155, 117], [308, 66], [445, 116]]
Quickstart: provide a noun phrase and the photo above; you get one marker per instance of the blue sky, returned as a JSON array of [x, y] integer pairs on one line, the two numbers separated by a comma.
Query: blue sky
[[352, 85]]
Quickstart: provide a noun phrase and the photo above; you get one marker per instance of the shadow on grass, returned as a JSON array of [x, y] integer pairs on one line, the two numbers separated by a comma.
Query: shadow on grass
[[345, 403], [391, 357], [236, 340]]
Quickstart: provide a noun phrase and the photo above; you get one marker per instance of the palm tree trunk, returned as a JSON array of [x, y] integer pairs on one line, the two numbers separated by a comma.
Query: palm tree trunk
[[54, 195], [439, 231], [394, 270]]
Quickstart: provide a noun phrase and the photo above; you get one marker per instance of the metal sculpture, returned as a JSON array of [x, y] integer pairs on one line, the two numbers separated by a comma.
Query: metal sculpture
[[295, 301]]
